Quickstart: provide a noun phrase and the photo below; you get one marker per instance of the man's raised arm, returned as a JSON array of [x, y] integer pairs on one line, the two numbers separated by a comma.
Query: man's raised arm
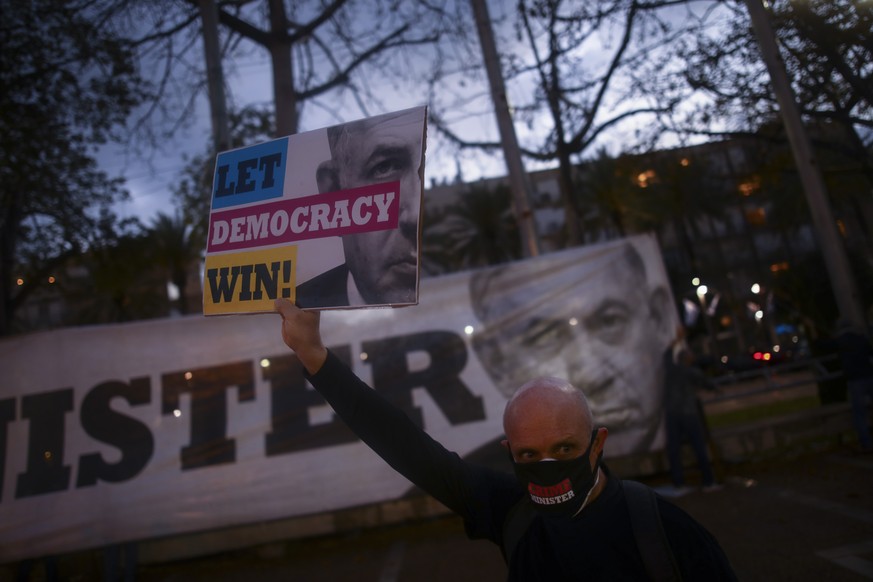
[[383, 427], [301, 332]]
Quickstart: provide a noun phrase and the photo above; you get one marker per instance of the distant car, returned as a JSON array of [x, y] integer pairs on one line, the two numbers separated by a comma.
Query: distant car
[[754, 359]]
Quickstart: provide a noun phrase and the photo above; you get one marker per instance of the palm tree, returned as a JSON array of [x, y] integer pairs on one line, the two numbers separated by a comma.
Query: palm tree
[[175, 248], [114, 282], [604, 198], [436, 258], [480, 230]]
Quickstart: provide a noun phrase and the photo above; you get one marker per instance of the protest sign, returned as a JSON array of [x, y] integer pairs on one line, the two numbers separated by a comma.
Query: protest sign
[[157, 428], [328, 218]]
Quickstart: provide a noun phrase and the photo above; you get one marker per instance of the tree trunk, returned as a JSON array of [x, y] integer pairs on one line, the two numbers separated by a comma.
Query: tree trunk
[[284, 94]]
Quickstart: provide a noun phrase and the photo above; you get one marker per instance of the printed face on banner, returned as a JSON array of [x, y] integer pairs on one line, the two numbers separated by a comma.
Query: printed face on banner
[[364, 189], [601, 324]]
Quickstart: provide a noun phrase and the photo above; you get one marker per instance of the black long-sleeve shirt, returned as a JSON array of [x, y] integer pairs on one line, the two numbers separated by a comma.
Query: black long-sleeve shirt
[[596, 545]]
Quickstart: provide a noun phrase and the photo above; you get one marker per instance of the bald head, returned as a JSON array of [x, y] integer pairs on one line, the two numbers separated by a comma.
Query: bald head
[[546, 416], [548, 394]]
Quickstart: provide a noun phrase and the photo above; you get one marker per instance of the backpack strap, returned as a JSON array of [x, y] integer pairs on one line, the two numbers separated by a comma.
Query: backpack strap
[[642, 504], [517, 521]]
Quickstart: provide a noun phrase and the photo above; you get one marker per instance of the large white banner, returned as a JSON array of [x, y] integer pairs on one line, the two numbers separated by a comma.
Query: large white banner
[[136, 431]]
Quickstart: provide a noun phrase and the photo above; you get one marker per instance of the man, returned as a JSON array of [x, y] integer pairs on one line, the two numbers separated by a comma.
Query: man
[[684, 420], [602, 325], [381, 267], [856, 358], [582, 529]]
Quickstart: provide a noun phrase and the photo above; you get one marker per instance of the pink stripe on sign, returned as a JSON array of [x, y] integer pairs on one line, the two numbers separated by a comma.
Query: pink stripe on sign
[[365, 209]]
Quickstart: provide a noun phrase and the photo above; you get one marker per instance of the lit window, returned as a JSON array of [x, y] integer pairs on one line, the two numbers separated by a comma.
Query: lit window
[[756, 216], [645, 178], [749, 187]]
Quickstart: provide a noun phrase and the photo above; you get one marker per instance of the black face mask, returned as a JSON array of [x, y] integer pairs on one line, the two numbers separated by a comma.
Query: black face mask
[[559, 487]]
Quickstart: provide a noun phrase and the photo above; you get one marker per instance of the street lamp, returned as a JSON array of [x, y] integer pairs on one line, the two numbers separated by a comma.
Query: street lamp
[[766, 302], [701, 296]]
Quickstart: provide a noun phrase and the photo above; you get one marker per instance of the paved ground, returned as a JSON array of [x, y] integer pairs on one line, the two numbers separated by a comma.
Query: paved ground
[[803, 518]]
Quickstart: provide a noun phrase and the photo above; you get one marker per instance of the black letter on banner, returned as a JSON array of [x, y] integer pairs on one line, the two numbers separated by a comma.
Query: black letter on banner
[[207, 387], [128, 434], [448, 356], [45, 451], [290, 403], [7, 415]]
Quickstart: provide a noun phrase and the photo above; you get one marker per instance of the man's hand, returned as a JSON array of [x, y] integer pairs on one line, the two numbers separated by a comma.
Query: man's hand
[[300, 332]]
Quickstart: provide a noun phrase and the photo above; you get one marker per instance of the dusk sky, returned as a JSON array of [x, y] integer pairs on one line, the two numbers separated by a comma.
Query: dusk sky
[[248, 80]]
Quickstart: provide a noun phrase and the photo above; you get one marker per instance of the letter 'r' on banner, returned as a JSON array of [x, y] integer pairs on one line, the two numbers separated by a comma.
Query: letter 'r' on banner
[[249, 281]]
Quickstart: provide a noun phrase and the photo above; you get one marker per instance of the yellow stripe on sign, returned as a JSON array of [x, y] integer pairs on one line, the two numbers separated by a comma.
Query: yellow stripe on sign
[[249, 282]]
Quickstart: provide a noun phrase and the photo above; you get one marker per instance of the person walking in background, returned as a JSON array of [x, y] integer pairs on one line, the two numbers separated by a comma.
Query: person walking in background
[[856, 357], [684, 418]]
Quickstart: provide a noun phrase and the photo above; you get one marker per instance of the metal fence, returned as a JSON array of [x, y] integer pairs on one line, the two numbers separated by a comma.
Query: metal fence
[[791, 377]]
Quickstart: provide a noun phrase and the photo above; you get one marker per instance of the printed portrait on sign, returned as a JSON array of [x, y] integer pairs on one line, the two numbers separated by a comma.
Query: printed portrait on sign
[[381, 266]]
